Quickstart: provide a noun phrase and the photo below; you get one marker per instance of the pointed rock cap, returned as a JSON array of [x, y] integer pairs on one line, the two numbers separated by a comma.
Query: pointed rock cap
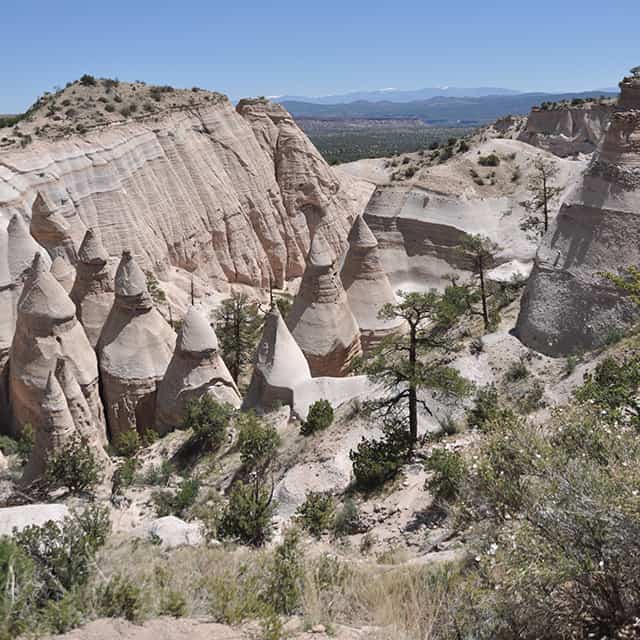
[[320, 253], [37, 268], [196, 334], [278, 356], [46, 299], [91, 250], [130, 279], [17, 227], [361, 235]]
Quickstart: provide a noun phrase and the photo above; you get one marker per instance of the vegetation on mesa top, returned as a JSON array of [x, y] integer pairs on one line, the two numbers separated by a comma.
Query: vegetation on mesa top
[[93, 102]]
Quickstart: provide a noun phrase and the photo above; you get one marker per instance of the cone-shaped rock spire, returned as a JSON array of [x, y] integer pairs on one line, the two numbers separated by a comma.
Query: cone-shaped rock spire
[[367, 285], [279, 365], [47, 329], [49, 226], [93, 289], [320, 318], [196, 368], [21, 247], [135, 347], [54, 430], [63, 272]]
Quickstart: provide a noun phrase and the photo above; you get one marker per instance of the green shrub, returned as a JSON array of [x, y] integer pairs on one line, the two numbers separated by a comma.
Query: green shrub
[[492, 160], [120, 598], [87, 80], [517, 371], [317, 514], [209, 420], [375, 462], [448, 471], [25, 443], [284, 584], [319, 417], [76, 469], [127, 443], [123, 477], [109, 108], [177, 503], [347, 520], [257, 441], [158, 475], [486, 409], [248, 516], [8, 446], [62, 554]]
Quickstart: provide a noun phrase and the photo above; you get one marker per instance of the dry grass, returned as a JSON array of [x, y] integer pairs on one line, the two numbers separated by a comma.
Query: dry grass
[[224, 583]]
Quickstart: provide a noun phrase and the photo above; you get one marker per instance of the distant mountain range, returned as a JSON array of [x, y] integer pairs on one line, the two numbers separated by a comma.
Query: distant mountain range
[[468, 110], [399, 95]]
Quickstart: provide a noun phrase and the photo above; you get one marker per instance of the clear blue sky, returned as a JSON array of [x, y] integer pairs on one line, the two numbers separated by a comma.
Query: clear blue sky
[[274, 47]]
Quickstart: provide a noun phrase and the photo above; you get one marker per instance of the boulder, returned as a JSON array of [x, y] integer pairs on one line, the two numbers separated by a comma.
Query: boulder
[[195, 369], [320, 319], [28, 515], [93, 290], [134, 349], [279, 365], [367, 285], [47, 329], [173, 532], [568, 306]]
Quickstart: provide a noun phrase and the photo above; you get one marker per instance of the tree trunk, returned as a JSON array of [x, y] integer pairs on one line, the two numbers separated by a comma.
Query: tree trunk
[[483, 295], [236, 364], [545, 198], [413, 396]]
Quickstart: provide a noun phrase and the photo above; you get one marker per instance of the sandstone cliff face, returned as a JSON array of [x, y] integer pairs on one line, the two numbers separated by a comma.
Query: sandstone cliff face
[[567, 130], [228, 194], [568, 306]]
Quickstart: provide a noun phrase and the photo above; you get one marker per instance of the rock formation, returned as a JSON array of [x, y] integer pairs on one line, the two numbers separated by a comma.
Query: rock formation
[[93, 289], [50, 228], [63, 272], [52, 432], [221, 192], [47, 329], [196, 368], [134, 349], [367, 285], [567, 305], [21, 248], [7, 327], [320, 319], [567, 130], [280, 365]]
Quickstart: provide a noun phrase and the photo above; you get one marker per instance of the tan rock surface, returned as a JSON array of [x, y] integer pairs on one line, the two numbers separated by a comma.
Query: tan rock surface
[[134, 350], [320, 319], [568, 306], [63, 272], [196, 368], [228, 194], [367, 285], [53, 432], [47, 329], [93, 290], [280, 365]]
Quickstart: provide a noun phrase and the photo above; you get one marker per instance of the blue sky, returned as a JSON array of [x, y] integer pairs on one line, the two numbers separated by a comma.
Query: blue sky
[[316, 48]]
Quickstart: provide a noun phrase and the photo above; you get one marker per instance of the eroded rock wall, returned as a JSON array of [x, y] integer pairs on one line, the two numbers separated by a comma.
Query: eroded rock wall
[[568, 306], [230, 195]]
